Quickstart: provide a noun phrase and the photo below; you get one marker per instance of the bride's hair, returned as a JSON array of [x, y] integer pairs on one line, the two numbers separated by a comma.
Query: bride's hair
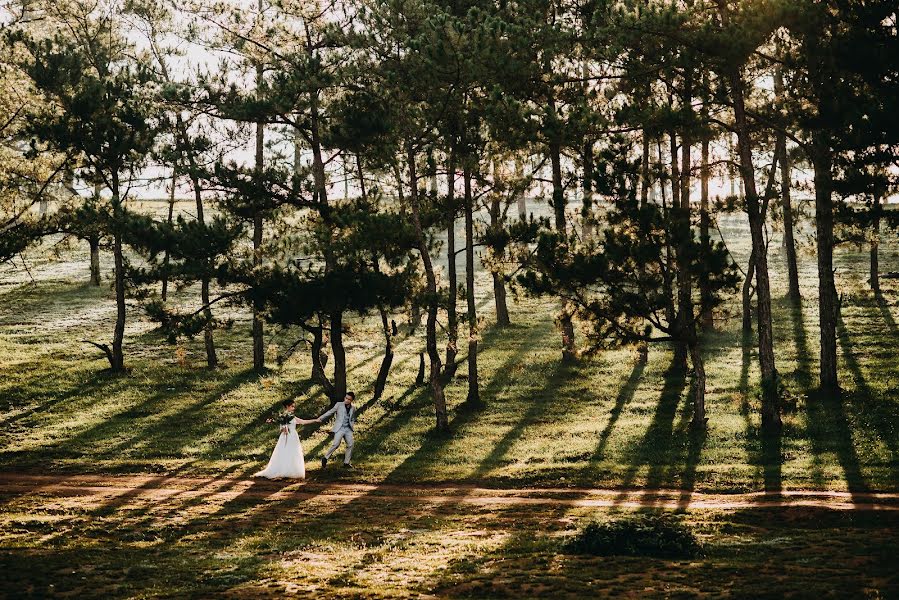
[[287, 403]]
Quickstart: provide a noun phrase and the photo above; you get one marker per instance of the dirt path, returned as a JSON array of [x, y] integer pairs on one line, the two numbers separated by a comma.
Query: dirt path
[[165, 488]]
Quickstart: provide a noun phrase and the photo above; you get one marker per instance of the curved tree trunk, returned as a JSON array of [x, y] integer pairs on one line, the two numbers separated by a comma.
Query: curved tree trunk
[[770, 396], [748, 292], [435, 377], [320, 359]]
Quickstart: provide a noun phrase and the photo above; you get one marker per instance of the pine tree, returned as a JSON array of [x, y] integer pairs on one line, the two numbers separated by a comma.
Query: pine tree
[[101, 109]]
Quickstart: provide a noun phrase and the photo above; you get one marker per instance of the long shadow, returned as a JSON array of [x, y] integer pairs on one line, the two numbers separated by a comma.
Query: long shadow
[[159, 434], [887, 314], [625, 395], [829, 431], [804, 359], [879, 413], [99, 380], [537, 408], [771, 445], [655, 449], [463, 415], [696, 439]]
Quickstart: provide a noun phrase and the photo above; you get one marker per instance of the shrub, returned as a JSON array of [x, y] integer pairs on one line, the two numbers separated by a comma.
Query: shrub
[[659, 536]]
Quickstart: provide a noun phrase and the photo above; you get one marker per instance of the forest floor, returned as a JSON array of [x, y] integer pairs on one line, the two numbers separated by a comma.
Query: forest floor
[[596, 435]]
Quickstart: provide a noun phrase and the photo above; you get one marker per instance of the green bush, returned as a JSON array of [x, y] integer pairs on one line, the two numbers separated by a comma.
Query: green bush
[[659, 536]]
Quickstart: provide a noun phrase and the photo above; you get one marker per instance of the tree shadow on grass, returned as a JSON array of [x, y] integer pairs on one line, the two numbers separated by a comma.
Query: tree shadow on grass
[[168, 434], [829, 431], [501, 378], [887, 314], [656, 449], [763, 448], [804, 358], [625, 395], [537, 408], [876, 413]]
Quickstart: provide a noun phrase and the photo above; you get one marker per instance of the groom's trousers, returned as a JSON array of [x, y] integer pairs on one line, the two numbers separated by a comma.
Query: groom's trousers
[[345, 434]]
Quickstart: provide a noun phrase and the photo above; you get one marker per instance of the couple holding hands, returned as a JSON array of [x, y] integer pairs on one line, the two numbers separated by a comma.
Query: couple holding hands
[[287, 459]]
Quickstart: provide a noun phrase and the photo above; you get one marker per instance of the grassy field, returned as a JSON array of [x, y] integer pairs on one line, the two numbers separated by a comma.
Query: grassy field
[[605, 422]]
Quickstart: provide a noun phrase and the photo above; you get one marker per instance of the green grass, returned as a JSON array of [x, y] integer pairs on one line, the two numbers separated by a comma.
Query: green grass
[[607, 421]]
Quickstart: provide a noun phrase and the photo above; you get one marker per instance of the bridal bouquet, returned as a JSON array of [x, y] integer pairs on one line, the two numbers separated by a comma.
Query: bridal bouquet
[[283, 418]]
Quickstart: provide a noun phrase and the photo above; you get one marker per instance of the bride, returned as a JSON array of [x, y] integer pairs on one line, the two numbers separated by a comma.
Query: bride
[[287, 459]]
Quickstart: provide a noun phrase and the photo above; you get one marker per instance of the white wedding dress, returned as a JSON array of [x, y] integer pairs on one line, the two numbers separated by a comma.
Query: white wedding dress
[[287, 459]]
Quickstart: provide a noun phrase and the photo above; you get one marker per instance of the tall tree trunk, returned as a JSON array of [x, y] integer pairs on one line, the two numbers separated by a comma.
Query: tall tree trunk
[[452, 315], [474, 397], [337, 349], [435, 376], [794, 294], [93, 242], [318, 162], [566, 315], [258, 328], [117, 358], [555, 158], [875, 245], [387, 361], [208, 339], [684, 275], [165, 258], [786, 204], [770, 396], [320, 359], [822, 162]]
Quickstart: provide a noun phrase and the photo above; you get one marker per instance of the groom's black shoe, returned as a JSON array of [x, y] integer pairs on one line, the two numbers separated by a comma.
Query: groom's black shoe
[[324, 462], [347, 466]]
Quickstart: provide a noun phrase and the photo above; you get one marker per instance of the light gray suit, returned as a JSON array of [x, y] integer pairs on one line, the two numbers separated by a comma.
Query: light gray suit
[[342, 429]]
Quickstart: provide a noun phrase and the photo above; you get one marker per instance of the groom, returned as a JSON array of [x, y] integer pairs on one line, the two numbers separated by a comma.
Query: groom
[[342, 429]]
